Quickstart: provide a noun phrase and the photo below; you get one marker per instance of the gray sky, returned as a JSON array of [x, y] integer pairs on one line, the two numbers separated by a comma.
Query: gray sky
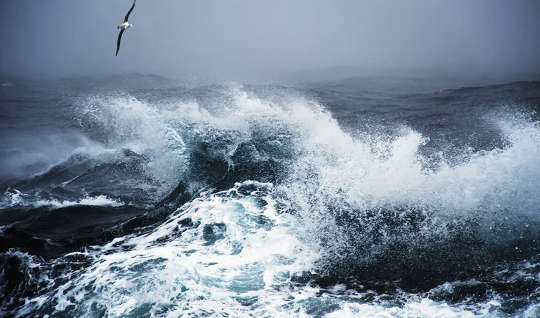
[[233, 38]]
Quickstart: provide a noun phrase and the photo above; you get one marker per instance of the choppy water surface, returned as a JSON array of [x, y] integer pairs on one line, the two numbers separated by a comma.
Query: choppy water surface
[[357, 198]]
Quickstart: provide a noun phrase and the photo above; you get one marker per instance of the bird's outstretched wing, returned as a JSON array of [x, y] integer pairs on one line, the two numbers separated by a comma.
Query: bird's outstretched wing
[[129, 12], [118, 42]]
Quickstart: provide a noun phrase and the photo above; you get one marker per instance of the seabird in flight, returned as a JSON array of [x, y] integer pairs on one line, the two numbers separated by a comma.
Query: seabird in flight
[[122, 27]]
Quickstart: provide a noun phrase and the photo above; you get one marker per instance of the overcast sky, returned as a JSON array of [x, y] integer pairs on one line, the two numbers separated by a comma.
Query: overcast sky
[[234, 38]]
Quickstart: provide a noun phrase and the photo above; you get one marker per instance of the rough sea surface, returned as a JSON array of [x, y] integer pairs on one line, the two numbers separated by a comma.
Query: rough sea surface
[[138, 196]]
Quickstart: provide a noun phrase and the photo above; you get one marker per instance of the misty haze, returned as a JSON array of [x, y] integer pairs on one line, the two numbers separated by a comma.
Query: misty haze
[[301, 158]]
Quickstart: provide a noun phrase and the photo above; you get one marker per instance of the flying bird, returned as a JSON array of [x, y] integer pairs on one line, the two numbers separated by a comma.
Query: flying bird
[[122, 27]]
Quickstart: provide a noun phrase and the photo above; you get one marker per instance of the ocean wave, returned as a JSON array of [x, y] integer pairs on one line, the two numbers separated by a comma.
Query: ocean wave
[[273, 208], [329, 178]]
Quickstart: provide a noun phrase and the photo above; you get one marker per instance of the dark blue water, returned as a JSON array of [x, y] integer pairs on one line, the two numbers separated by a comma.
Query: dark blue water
[[139, 196]]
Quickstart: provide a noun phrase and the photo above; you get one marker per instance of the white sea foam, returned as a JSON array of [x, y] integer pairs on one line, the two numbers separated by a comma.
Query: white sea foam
[[100, 200], [14, 197], [234, 256], [238, 255], [329, 165], [424, 308], [128, 123], [370, 171]]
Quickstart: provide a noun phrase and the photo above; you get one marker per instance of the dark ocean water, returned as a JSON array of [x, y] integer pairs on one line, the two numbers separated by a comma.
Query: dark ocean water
[[139, 196]]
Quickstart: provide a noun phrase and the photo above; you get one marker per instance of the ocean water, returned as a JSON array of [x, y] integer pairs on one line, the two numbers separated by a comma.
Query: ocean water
[[139, 196]]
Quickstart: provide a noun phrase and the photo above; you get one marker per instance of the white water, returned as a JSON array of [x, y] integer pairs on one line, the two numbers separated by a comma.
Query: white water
[[248, 269], [371, 171], [178, 270], [329, 166], [14, 197]]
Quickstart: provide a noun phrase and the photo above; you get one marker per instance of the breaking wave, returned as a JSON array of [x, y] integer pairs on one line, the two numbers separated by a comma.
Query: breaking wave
[[262, 204]]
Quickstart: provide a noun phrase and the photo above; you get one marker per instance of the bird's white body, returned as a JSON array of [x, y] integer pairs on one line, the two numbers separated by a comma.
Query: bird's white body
[[125, 25]]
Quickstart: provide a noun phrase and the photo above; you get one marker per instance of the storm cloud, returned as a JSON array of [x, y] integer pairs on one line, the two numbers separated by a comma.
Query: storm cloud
[[233, 38]]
